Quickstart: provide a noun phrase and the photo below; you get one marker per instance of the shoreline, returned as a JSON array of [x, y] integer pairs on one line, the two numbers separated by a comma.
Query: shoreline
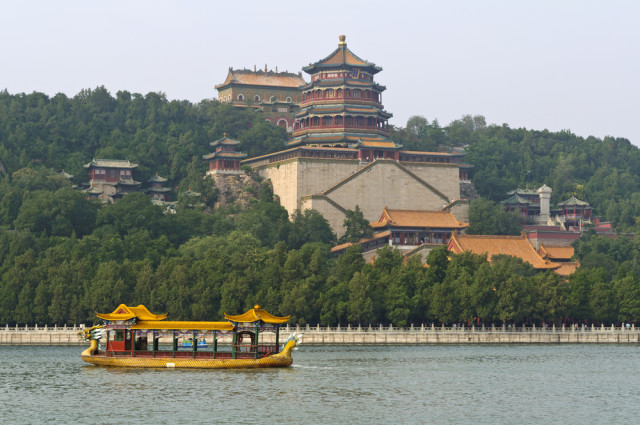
[[377, 335]]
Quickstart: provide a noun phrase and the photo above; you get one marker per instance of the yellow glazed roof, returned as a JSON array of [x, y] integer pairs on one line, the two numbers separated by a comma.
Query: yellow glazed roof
[[516, 246], [123, 312], [556, 252], [255, 314], [418, 218], [175, 325]]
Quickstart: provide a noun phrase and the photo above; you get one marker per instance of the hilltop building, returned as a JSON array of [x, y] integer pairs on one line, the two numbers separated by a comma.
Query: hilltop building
[[111, 179], [341, 155], [157, 189], [491, 245], [225, 160], [276, 94], [554, 227], [411, 231]]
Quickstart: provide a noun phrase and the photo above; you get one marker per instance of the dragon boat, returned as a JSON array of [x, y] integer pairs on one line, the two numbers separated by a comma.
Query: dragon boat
[[137, 338]]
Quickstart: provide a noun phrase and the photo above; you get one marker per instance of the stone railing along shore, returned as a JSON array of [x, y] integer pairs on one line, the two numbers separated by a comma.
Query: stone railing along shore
[[376, 335]]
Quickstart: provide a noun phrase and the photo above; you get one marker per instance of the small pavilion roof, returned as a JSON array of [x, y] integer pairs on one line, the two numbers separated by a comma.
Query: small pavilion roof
[[255, 314], [157, 179], [516, 199], [516, 246], [224, 141], [225, 154], [418, 218], [110, 163], [572, 202], [341, 57], [124, 312], [556, 252]]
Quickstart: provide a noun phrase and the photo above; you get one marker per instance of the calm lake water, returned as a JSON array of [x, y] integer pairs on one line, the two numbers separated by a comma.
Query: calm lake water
[[483, 384]]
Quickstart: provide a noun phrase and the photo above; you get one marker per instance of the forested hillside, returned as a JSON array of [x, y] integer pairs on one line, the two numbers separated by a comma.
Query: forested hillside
[[64, 257], [605, 173]]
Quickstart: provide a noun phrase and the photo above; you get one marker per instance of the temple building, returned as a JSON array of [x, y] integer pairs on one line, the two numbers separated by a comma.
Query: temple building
[[113, 178], [411, 231], [491, 245], [340, 154], [276, 94], [225, 160], [410, 228], [559, 226]]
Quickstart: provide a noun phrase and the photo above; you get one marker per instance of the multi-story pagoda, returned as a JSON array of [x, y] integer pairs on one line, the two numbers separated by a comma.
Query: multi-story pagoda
[[342, 107], [341, 155], [225, 160], [157, 190]]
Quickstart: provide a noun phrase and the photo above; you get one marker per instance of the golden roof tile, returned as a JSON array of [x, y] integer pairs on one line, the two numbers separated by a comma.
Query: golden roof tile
[[418, 218], [124, 312], [516, 246], [556, 252], [255, 314]]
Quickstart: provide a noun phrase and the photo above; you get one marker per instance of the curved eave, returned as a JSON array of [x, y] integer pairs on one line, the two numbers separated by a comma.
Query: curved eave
[[256, 314]]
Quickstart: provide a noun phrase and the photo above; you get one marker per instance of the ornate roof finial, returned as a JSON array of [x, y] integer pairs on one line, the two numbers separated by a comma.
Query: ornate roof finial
[[254, 68], [343, 41], [224, 134], [276, 69], [265, 67]]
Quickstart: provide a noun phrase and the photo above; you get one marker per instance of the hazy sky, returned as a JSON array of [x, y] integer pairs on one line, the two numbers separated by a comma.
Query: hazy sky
[[535, 64]]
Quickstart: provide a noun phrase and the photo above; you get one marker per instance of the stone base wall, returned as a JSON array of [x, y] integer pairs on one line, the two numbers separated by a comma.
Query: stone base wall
[[385, 336], [333, 186]]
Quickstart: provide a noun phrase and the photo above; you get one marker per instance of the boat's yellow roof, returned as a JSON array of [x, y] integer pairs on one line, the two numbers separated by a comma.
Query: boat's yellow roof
[[255, 314], [176, 325], [124, 312]]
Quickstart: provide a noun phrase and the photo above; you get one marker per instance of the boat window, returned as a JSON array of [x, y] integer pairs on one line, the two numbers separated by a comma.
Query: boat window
[[119, 335]]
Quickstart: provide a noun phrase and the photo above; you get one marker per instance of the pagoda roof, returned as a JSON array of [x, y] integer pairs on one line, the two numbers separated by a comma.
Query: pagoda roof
[[572, 202], [124, 312], [341, 57], [556, 252], [110, 163], [128, 182], [187, 325], [516, 199], [157, 179], [255, 314], [338, 83], [427, 153], [379, 144], [225, 154], [418, 218], [262, 78], [516, 246], [336, 137], [66, 175], [224, 141], [158, 189]]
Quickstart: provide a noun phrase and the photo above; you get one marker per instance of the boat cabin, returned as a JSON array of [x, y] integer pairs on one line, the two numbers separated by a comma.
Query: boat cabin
[[136, 332]]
